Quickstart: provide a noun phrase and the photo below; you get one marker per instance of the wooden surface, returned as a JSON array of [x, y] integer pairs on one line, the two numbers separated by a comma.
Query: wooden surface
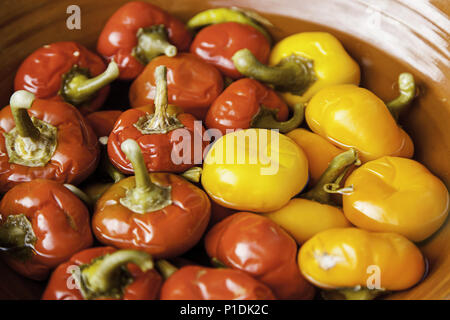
[[385, 36]]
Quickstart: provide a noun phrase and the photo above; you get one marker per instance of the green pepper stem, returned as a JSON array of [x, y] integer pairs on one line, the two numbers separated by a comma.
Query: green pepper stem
[[106, 165], [293, 74], [20, 102], [193, 174], [79, 88], [134, 154], [11, 237], [80, 194], [337, 166], [145, 196], [166, 268], [222, 15], [100, 277], [95, 191], [113, 173], [32, 142], [17, 236], [217, 263], [407, 88], [266, 119], [153, 42]]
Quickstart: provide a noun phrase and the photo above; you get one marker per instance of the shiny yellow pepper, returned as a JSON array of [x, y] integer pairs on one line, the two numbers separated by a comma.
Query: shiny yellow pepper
[[315, 211], [301, 65], [254, 170], [318, 150], [352, 117], [350, 259], [393, 194]]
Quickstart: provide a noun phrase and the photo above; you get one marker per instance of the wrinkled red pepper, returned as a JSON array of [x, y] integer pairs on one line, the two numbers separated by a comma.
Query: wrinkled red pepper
[[201, 283], [192, 84], [136, 33], [156, 133], [127, 275], [242, 103], [160, 213], [42, 224], [67, 71], [258, 246], [44, 139], [217, 43]]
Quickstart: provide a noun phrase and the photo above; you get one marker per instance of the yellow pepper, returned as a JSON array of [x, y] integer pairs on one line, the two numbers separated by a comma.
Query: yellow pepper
[[352, 117], [360, 264], [393, 194], [318, 150], [256, 170], [303, 218], [301, 65]]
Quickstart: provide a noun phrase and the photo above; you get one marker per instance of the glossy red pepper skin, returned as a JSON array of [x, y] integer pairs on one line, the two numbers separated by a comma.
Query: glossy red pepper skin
[[102, 122], [145, 286], [217, 43], [240, 102], [192, 84], [258, 246], [200, 283], [164, 233], [77, 151], [42, 71], [60, 223], [156, 148], [118, 37]]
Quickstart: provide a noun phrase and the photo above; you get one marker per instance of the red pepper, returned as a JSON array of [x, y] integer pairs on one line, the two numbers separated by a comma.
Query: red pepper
[[105, 273], [258, 246], [136, 33], [239, 104], [67, 71], [192, 84], [55, 144], [103, 121], [156, 134], [42, 224], [160, 213], [201, 283], [217, 43]]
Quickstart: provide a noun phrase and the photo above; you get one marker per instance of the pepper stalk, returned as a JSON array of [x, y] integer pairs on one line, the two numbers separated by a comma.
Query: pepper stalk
[[106, 277], [161, 121], [146, 196], [334, 173], [222, 15], [152, 42], [193, 174], [407, 88], [78, 87], [32, 142], [165, 268], [266, 119], [17, 237], [294, 74]]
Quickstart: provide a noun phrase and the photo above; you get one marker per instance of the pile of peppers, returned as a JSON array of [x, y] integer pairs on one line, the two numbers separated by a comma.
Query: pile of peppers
[[263, 154]]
